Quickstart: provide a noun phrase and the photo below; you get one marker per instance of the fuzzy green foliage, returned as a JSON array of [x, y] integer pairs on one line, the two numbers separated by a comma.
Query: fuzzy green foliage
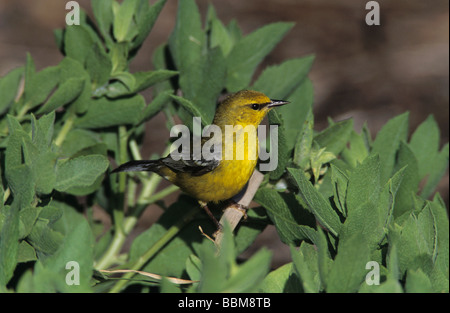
[[338, 199]]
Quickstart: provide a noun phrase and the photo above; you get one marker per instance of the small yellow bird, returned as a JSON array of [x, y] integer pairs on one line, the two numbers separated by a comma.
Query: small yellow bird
[[219, 178]]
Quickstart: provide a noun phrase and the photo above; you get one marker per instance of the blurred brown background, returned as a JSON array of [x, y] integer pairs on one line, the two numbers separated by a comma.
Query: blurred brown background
[[370, 73]]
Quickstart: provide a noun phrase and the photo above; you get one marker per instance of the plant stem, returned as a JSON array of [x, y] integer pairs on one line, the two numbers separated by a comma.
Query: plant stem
[[118, 209], [162, 194], [65, 129], [6, 195], [135, 150], [23, 111], [152, 199], [146, 197], [168, 236]]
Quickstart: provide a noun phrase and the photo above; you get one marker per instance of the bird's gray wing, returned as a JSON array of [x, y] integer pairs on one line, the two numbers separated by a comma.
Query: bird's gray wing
[[196, 167]]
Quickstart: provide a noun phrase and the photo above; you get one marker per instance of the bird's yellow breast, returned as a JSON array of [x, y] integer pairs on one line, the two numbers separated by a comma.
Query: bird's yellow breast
[[231, 174]]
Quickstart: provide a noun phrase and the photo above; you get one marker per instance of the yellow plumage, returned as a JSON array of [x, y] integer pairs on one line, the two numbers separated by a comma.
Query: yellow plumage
[[228, 176]]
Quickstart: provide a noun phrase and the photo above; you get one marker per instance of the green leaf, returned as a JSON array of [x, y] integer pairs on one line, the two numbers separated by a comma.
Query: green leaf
[[9, 85], [246, 233], [28, 216], [171, 260], [316, 203], [13, 153], [167, 286], [145, 80], [126, 79], [392, 263], [99, 66], [227, 250], [203, 80], [280, 144], [220, 37], [78, 42], [249, 275], [26, 253], [187, 38], [387, 143], [306, 265], [234, 31], [42, 131], [428, 229], [373, 217], [297, 111], [440, 165], [357, 151], [145, 18], [404, 200], [43, 168], [9, 244], [104, 112], [440, 214], [349, 267], [67, 92], [386, 203], [340, 184], [335, 137], [364, 183], [214, 271], [388, 286], [77, 140], [324, 259], [79, 172], [70, 68], [243, 278], [161, 60], [155, 106], [416, 240], [250, 51], [30, 68], [424, 144], [122, 84], [63, 217], [318, 158], [418, 282], [124, 26], [283, 279], [302, 149], [193, 267], [21, 181], [365, 219], [104, 17], [43, 238], [279, 81], [41, 84], [78, 246], [192, 109], [293, 223], [75, 254]]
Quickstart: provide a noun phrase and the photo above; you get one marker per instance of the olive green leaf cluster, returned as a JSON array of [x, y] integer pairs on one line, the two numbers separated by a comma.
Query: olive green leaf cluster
[[370, 200], [338, 198]]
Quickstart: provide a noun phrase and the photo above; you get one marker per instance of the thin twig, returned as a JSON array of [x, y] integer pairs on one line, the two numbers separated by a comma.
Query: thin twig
[[233, 213], [173, 280]]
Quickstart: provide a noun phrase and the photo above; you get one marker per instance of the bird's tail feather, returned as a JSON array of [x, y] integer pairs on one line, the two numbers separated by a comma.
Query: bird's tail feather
[[139, 166]]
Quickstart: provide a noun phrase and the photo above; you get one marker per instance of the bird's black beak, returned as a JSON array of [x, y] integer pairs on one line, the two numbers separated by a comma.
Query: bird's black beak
[[276, 103]]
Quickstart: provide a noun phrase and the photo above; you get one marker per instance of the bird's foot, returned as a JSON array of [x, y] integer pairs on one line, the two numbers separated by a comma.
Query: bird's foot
[[241, 208]]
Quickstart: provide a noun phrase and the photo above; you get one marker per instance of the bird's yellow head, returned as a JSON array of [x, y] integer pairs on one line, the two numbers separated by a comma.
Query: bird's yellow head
[[246, 107]]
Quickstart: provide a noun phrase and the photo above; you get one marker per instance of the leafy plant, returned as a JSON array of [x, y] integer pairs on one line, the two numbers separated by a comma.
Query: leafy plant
[[339, 199]]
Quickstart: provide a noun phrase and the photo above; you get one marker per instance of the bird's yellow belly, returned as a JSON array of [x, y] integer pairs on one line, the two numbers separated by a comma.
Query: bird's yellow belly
[[221, 184], [229, 177]]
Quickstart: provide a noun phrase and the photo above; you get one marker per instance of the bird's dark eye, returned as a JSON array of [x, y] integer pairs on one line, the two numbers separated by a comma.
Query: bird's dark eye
[[255, 106]]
